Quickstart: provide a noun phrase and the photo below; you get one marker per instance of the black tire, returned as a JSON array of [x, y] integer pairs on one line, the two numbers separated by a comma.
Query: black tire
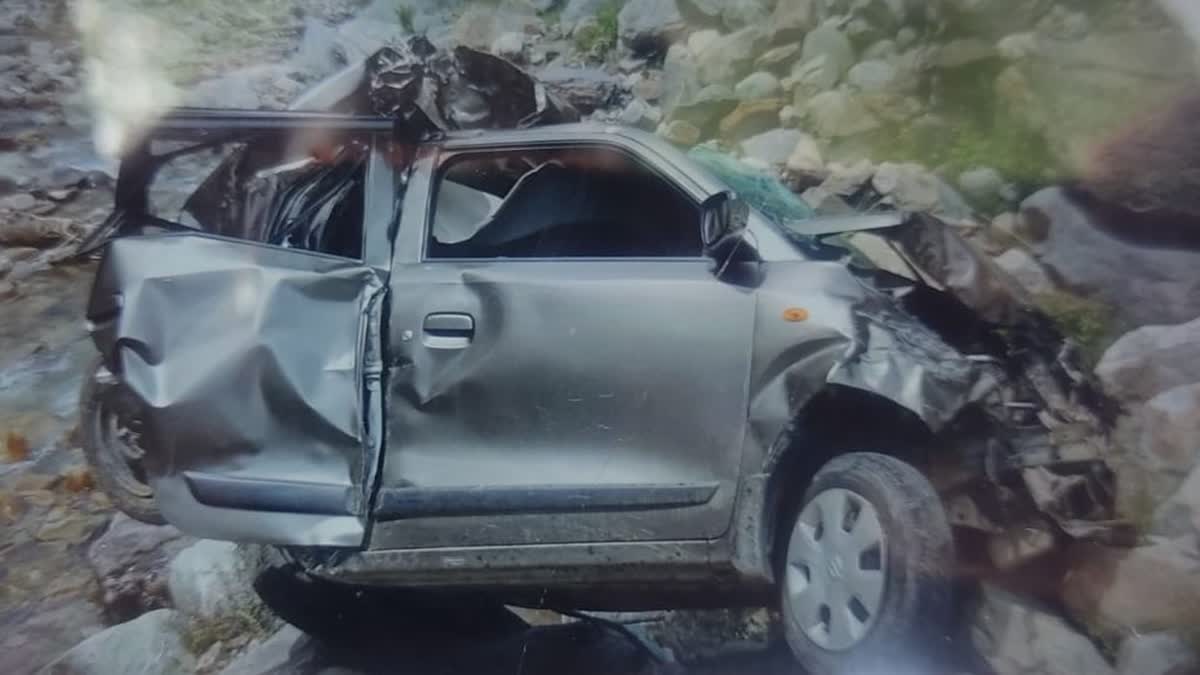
[[104, 408], [908, 629]]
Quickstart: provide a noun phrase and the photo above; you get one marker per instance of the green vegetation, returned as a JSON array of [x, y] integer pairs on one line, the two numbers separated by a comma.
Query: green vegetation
[[600, 37], [1089, 323], [251, 619], [404, 15]]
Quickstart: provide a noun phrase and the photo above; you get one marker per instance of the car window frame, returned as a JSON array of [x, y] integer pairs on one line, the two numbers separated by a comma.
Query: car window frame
[[446, 156]]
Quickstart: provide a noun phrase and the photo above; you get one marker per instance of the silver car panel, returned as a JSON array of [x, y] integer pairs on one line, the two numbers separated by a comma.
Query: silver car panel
[[256, 388]]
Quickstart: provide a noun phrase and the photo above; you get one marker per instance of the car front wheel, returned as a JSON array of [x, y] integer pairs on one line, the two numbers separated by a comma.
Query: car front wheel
[[867, 577]]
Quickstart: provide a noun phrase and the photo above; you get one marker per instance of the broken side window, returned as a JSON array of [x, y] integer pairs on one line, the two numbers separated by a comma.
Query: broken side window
[[286, 191], [580, 202]]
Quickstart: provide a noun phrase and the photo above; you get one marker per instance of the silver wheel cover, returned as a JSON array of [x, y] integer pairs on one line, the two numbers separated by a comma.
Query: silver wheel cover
[[836, 569]]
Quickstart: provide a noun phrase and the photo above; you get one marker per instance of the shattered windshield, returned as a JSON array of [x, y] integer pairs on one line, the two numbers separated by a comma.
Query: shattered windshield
[[536, 337]]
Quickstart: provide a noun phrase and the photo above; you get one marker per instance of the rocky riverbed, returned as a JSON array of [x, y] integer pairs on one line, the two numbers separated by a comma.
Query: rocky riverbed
[[1058, 135]]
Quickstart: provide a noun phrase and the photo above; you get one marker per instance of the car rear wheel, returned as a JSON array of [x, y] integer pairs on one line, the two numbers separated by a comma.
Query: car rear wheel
[[866, 580], [109, 426]]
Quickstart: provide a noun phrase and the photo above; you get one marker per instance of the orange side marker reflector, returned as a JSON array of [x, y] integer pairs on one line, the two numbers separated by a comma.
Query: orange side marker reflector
[[795, 314]]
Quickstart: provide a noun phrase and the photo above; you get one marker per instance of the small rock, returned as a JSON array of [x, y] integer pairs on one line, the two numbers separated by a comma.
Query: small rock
[[1028, 273], [510, 45], [985, 187], [756, 86], [21, 201], [846, 180], [1019, 46], [1118, 591], [772, 147], [838, 113], [829, 42], [825, 203], [750, 118], [8, 290], [1156, 654], [208, 660], [790, 116], [680, 132], [640, 114], [883, 50], [906, 37], [1016, 637], [792, 19], [805, 157], [211, 578], [777, 57], [66, 527], [740, 13], [130, 560], [908, 186], [872, 76], [649, 85], [725, 59], [149, 644], [1151, 360], [963, 52]]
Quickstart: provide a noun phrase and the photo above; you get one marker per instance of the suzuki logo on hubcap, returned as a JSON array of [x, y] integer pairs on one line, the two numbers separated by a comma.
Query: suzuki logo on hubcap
[[834, 568]]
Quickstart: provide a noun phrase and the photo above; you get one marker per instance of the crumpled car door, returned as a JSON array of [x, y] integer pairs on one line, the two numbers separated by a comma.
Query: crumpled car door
[[258, 371]]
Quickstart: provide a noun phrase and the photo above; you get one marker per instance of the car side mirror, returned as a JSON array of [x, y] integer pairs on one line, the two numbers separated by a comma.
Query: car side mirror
[[723, 215]]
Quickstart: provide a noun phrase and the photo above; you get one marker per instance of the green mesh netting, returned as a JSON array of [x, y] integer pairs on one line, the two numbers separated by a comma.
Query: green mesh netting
[[759, 188]]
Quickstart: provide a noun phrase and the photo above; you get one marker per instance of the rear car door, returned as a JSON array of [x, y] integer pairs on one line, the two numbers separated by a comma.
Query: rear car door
[[548, 395], [257, 369]]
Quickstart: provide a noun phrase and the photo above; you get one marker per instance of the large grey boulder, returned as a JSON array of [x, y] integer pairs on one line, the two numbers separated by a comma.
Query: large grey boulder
[[1156, 654], [1170, 424], [130, 561], [1018, 637], [1141, 285], [1116, 592], [1179, 515], [148, 645], [1150, 360], [288, 650], [210, 579], [649, 25]]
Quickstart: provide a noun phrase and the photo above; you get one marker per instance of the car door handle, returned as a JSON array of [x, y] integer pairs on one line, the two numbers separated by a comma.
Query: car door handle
[[448, 330]]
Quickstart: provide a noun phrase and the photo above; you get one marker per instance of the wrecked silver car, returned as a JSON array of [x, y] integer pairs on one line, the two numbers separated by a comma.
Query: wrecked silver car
[[569, 367]]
